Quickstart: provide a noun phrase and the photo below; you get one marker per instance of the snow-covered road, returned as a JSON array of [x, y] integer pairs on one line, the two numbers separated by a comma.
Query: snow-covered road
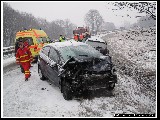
[[27, 99]]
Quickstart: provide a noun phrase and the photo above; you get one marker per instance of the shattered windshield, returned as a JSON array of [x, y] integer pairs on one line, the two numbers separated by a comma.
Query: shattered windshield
[[80, 52]]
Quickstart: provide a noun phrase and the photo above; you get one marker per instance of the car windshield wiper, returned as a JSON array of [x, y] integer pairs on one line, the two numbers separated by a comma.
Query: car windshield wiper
[[98, 47], [84, 55]]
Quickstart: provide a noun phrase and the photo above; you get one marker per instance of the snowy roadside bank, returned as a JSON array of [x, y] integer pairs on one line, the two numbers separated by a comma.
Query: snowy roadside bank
[[130, 54], [9, 61]]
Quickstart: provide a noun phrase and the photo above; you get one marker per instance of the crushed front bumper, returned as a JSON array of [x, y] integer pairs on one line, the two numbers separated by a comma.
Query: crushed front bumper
[[96, 81]]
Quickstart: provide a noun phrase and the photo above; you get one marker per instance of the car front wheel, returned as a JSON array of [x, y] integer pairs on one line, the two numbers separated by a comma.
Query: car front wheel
[[67, 92]]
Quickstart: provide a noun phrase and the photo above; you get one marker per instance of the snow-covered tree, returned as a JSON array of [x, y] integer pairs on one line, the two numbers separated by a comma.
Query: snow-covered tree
[[14, 21], [146, 22], [94, 20], [142, 7]]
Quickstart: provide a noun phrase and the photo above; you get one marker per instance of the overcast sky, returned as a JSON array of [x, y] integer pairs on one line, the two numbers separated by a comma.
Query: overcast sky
[[75, 11]]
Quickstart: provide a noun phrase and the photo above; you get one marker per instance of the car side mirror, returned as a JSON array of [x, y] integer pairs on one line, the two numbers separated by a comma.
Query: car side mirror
[[53, 64]]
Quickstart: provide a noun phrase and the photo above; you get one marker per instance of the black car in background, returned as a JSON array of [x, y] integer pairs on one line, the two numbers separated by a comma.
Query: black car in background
[[75, 67]]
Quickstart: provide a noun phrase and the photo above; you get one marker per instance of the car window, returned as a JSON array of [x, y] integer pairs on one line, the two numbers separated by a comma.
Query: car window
[[39, 40], [42, 40], [53, 55], [66, 53], [29, 40], [45, 40], [45, 50]]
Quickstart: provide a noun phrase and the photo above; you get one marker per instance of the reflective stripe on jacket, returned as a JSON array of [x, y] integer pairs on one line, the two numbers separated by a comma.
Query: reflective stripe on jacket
[[23, 55], [61, 39]]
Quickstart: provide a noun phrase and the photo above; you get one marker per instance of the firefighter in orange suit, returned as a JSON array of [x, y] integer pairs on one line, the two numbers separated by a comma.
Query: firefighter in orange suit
[[76, 37], [23, 57], [27, 46], [81, 37]]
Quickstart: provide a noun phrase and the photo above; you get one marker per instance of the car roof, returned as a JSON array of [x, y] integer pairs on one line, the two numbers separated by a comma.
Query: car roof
[[66, 43], [94, 38]]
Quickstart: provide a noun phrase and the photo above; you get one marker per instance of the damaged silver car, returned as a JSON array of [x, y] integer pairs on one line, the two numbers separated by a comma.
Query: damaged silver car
[[76, 67], [98, 43]]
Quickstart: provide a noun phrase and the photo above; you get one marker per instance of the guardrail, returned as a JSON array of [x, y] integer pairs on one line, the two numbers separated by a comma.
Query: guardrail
[[8, 50]]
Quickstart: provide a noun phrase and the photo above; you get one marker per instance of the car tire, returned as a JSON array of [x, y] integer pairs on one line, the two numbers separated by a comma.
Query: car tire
[[111, 86], [41, 75], [67, 92]]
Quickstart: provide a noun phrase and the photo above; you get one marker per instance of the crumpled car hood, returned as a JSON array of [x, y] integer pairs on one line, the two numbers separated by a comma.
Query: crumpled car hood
[[101, 66], [90, 64]]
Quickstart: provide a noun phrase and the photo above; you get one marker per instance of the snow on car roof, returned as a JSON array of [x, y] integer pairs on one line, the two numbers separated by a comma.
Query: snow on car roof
[[94, 38], [66, 43]]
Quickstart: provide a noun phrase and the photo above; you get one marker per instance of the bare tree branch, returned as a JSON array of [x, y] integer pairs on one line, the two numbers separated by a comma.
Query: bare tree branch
[[142, 7]]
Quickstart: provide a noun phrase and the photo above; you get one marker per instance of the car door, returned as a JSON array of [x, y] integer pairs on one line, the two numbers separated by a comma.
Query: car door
[[43, 59], [53, 69]]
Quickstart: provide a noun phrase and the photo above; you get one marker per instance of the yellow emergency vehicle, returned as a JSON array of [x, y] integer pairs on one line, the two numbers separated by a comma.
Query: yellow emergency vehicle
[[36, 39]]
